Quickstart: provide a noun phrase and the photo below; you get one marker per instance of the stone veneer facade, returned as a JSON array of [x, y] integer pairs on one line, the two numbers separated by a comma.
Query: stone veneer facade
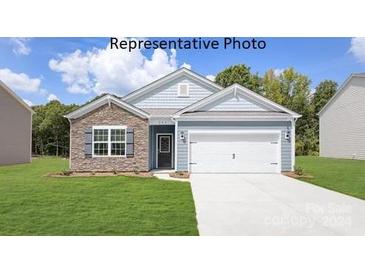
[[109, 115]]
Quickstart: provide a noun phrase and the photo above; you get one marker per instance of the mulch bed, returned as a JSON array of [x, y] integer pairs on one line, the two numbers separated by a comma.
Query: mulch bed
[[180, 175], [100, 174], [296, 176]]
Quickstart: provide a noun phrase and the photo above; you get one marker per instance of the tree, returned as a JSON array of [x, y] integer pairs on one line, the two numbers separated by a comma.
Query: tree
[[295, 89], [239, 74], [38, 137], [51, 129], [271, 87], [324, 91]]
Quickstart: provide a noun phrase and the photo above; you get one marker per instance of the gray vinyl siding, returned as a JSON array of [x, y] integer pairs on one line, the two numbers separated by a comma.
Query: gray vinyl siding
[[15, 130], [342, 124], [185, 126], [167, 95], [152, 141], [233, 103]]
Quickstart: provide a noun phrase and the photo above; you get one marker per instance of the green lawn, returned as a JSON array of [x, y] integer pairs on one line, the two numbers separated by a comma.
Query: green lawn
[[33, 204], [345, 176]]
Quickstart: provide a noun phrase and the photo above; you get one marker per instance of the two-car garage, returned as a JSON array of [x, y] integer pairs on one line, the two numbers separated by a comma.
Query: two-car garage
[[235, 151]]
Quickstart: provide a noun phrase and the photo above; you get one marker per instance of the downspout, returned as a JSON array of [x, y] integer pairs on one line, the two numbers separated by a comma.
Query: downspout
[[69, 149], [175, 145], [293, 142], [319, 134], [31, 136]]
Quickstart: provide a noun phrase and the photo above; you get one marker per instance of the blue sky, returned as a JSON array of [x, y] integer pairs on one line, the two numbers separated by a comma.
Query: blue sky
[[75, 70]]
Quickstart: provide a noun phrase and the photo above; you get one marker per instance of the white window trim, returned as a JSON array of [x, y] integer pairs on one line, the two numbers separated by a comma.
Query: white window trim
[[179, 88], [109, 128]]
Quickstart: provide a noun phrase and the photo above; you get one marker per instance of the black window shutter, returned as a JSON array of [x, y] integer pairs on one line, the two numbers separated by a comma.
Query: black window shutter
[[88, 142], [130, 142]]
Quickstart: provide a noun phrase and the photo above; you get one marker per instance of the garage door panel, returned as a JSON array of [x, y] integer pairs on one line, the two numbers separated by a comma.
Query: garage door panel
[[225, 153]]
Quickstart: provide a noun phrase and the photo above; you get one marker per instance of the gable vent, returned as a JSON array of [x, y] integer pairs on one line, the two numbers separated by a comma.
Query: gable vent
[[183, 90]]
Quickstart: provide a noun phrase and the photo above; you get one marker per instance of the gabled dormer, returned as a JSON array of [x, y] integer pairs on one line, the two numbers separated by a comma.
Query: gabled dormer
[[176, 90]]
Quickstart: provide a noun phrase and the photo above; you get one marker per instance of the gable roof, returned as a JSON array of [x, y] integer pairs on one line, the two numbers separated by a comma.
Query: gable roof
[[169, 77], [340, 90], [243, 91], [16, 97], [234, 116], [106, 99]]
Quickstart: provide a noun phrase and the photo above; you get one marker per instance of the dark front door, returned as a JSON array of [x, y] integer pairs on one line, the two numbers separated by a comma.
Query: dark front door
[[164, 151]]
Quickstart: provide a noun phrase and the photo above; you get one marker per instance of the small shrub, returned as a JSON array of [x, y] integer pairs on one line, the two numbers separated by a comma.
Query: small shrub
[[115, 172], [298, 170], [313, 153], [66, 172], [179, 174], [135, 167]]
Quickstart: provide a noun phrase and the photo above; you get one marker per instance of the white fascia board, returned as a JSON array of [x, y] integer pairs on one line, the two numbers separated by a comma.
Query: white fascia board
[[161, 116], [16, 97], [340, 90], [169, 77], [234, 131], [232, 118], [103, 100]]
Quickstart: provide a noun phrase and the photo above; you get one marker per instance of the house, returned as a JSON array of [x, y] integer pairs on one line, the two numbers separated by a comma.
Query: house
[[15, 128], [342, 121], [183, 122]]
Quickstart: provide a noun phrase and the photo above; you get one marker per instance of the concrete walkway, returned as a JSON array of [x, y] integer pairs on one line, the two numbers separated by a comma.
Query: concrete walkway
[[272, 204], [164, 174]]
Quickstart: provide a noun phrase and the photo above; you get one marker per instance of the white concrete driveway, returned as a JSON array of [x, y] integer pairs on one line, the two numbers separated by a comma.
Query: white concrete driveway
[[272, 204]]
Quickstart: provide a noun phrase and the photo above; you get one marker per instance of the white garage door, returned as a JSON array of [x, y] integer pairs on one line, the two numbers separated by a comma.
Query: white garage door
[[235, 152]]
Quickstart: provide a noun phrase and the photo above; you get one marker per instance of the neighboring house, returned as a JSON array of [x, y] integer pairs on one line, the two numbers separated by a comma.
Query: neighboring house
[[183, 122], [342, 121], [15, 128]]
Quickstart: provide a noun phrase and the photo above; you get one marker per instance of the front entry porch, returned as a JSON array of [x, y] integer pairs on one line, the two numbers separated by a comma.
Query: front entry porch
[[162, 147]]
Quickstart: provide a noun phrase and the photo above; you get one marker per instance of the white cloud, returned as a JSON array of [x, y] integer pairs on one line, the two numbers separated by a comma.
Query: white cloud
[[74, 68], [20, 46], [278, 72], [28, 102], [185, 65], [357, 48], [211, 77], [111, 70], [19, 81], [52, 97]]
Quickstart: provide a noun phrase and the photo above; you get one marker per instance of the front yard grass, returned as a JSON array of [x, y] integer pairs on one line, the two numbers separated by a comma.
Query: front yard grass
[[345, 176], [34, 204]]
